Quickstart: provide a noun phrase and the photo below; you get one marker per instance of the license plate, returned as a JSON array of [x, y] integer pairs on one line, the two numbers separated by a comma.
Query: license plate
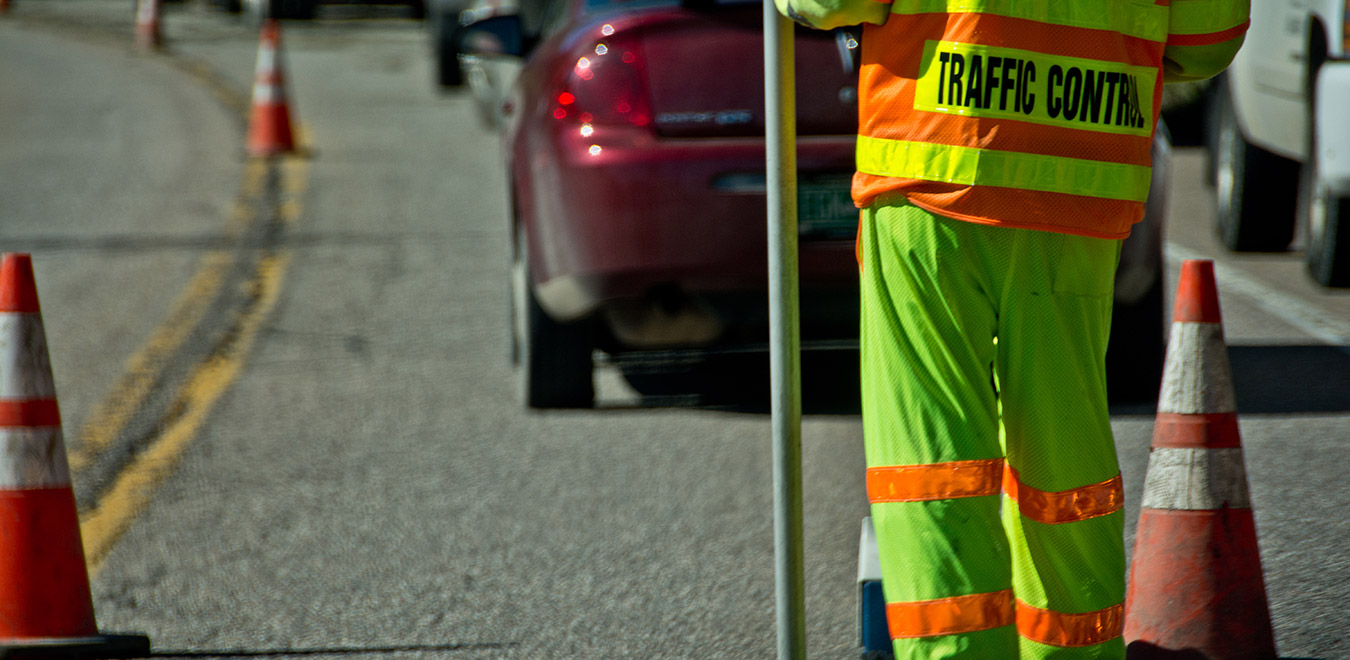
[[825, 209]]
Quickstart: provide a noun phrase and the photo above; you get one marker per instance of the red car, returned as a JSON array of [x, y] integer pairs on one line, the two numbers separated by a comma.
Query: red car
[[634, 138]]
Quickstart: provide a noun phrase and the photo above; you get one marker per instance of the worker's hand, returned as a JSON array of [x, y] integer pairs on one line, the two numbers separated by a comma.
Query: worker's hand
[[830, 14]]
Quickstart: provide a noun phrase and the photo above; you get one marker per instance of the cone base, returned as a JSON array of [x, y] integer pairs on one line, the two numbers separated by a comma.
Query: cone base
[[1196, 587], [44, 585], [269, 131], [76, 648], [149, 42]]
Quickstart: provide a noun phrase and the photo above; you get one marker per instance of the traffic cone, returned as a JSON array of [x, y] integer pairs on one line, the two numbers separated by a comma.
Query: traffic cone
[[46, 609], [147, 24], [1196, 589], [269, 127]]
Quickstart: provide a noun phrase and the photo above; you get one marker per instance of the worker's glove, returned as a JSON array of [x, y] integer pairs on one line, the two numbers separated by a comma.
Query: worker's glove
[[830, 14]]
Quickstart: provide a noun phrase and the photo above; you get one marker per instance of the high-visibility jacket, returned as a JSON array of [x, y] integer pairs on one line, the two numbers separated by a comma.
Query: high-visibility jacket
[[1023, 113]]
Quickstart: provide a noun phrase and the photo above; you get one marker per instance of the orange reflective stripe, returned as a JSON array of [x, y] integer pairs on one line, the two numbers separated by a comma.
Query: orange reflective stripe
[[29, 412], [949, 616], [1060, 629], [938, 481], [1073, 505]]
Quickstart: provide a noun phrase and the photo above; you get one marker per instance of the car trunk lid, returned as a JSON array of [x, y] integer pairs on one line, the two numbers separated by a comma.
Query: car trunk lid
[[722, 45]]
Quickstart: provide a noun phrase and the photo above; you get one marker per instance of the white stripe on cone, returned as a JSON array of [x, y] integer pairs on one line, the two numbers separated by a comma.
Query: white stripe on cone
[[23, 345], [1189, 479], [266, 93], [30, 457], [267, 85], [147, 13], [267, 61], [33, 458], [1196, 376]]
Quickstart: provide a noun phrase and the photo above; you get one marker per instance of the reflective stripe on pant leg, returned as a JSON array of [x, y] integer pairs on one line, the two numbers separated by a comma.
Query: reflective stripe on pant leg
[[931, 435], [1083, 517], [1063, 504], [1068, 573]]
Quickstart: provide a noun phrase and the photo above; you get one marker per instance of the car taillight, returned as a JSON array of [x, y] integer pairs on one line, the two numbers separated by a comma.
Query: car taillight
[[606, 86]]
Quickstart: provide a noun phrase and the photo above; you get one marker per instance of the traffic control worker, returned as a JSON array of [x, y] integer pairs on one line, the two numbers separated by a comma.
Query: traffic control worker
[[1003, 154]]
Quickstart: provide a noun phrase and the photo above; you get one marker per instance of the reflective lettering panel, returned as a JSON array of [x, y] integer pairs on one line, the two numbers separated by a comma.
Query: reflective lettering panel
[[1008, 83]]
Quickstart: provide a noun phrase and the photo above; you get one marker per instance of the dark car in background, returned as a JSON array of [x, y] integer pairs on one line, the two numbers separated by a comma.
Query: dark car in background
[[634, 141]]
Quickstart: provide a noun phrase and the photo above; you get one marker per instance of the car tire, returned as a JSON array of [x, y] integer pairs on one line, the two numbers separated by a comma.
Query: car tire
[[258, 10], [445, 52], [1326, 216], [1134, 356], [1256, 190], [555, 358], [737, 379], [1329, 243], [300, 9]]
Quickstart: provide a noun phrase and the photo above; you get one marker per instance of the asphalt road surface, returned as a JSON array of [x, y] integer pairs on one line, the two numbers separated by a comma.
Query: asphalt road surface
[[295, 427]]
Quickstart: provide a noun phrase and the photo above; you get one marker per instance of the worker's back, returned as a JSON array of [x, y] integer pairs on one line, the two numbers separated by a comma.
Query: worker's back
[[1037, 115]]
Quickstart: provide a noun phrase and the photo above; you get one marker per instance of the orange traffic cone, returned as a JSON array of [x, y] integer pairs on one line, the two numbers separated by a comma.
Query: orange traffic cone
[[147, 24], [269, 127], [46, 609], [1196, 589]]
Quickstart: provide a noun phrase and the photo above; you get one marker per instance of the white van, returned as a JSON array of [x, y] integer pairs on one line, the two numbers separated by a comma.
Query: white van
[[1280, 135]]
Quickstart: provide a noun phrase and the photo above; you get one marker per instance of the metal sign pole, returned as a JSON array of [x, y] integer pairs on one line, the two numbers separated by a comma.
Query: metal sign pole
[[780, 130]]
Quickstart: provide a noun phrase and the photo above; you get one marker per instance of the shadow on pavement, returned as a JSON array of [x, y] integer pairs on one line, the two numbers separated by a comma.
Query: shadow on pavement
[[1140, 650], [1291, 379], [1267, 380], [268, 653], [741, 384]]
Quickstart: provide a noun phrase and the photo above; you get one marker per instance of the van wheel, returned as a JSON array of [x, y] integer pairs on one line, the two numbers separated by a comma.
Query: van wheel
[[555, 358], [1329, 239], [1327, 215], [1256, 190]]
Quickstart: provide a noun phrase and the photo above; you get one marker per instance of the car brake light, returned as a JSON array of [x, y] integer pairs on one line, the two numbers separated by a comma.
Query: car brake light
[[605, 87]]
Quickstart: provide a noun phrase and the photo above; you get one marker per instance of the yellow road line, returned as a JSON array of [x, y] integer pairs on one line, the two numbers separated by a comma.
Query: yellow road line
[[215, 83], [102, 526], [142, 370], [294, 182]]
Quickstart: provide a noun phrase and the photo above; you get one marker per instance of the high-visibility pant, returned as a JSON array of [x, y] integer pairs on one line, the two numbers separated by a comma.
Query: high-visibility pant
[[992, 472]]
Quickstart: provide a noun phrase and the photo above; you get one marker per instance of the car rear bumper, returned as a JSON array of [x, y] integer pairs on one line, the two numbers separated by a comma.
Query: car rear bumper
[[668, 238]]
